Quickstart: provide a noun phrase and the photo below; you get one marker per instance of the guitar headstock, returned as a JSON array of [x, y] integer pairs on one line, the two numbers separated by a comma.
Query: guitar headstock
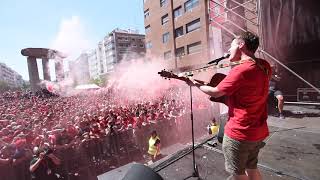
[[167, 74]]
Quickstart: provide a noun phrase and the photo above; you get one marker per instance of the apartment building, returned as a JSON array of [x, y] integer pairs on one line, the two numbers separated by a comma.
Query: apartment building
[[117, 46], [190, 32], [177, 31], [93, 64], [229, 18], [9, 76], [79, 69]]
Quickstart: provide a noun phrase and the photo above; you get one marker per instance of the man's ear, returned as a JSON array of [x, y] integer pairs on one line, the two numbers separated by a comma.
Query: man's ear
[[241, 45]]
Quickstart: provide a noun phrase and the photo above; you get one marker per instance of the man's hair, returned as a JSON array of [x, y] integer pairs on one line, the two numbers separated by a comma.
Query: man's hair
[[251, 40], [154, 132]]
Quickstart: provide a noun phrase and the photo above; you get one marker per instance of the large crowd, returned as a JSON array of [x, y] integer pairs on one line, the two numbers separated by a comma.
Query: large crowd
[[93, 129]]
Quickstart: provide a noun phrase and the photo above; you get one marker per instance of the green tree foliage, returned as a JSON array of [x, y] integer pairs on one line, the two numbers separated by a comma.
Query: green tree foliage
[[4, 86], [26, 85], [101, 81]]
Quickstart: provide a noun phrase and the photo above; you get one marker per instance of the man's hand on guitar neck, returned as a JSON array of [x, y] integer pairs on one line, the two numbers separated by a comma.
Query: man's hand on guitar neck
[[209, 90], [193, 82]]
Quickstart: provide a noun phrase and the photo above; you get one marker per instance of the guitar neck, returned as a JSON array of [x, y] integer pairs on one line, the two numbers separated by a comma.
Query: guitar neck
[[188, 73], [186, 79]]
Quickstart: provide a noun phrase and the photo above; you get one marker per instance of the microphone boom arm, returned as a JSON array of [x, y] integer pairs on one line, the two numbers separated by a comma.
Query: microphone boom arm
[[216, 61]]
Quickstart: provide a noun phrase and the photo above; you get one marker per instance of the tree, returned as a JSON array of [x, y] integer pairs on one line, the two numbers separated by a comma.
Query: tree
[[4, 86], [25, 85], [100, 81], [96, 81]]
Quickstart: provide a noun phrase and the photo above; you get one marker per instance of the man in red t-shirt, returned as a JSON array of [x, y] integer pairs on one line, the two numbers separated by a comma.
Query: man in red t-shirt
[[246, 87]]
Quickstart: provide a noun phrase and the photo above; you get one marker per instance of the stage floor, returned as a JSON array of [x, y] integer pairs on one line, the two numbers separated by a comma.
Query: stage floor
[[292, 151]]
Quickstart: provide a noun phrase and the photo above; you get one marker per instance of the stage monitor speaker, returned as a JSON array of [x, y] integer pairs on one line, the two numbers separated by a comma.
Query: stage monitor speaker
[[139, 171]]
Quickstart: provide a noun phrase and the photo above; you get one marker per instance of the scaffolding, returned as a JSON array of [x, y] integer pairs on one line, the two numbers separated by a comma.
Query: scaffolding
[[234, 16]]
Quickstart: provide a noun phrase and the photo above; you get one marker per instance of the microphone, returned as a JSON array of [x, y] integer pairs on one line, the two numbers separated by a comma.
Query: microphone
[[216, 61]]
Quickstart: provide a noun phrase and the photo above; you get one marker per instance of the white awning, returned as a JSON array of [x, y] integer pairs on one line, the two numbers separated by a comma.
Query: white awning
[[87, 86]]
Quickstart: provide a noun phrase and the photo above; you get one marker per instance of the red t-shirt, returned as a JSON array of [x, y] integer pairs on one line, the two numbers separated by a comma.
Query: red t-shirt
[[247, 87]]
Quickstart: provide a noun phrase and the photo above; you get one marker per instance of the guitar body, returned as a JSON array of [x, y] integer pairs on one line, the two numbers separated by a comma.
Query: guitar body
[[215, 80]]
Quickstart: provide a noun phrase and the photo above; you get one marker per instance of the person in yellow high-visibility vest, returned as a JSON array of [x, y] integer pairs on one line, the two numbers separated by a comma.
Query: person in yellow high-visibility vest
[[213, 127], [154, 146]]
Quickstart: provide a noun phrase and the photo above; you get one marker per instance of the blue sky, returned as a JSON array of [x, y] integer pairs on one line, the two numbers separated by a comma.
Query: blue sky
[[73, 24]]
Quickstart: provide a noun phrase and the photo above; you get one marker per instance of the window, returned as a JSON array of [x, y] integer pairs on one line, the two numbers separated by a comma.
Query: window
[[178, 32], [148, 45], [163, 2], [189, 5], [180, 52], [123, 45], [164, 19], [146, 13], [177, 12], [147, 29], [194, 47], [167, 55], [165, 37], [192, 26], [216, 10], [141, 45]]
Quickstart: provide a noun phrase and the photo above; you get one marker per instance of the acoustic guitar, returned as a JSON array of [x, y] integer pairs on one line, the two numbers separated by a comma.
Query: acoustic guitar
[[215, 80]]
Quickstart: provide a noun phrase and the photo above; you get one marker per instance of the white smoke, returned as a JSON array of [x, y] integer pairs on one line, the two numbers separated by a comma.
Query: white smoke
[[72, 37]]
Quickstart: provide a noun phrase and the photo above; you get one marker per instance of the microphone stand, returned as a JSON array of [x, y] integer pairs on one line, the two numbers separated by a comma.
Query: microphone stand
[[195, 168]]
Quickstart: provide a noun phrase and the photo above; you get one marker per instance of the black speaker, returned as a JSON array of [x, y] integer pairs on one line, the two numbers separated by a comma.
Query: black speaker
[[139, 171]]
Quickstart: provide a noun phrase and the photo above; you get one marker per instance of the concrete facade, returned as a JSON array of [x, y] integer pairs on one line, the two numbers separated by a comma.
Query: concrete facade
[[44, 54], [93, 64], [58, 66], [9, 76], [79, 69], [182, 16], [46, 69], [175, 16], [118, 45], [33, 73]]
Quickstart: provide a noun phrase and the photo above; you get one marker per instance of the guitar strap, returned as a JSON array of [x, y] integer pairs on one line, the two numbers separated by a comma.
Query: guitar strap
[[263, 68]]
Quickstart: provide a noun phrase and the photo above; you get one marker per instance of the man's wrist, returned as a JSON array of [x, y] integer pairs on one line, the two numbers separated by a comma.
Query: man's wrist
[[197, 84]]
